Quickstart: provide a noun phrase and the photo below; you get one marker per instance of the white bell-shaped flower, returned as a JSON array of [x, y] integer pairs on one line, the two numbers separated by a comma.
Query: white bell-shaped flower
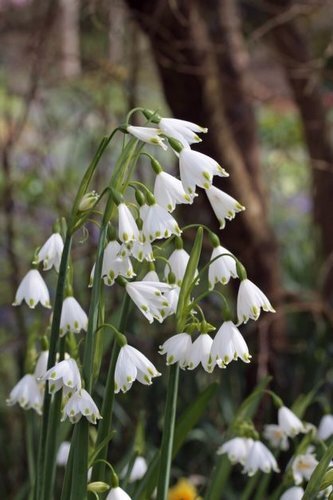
[[293, 493], [73, 318], [325, 428], [170, 191], [200, 352], [228, 345], [250, 300], [289, 422], [78, 405], [178, 261], [142, 249], [132, 365], [117, 494], [182, 130], [32, 290], [223, 205], [149, 135], [276, 436], [27, 394], [51, 252], [259, 458], [177, 349], [139, 469], [64, 375], [222, 268], [63, 453], [149, 297], [236, 449], [197, 169], [41, 365], [303, 466], [116, 262], [157, 222], [127, 229]]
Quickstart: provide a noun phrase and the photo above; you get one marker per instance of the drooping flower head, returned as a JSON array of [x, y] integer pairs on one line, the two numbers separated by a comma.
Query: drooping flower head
[[289, 422], [27, 394], [228, 345], [197, 169], [177, 349], [64, 375], [32, 290], [293, 493], [132, 365], [73, 318], [259, 458], [325, 428], [149, 296], [157, 222], [276, 436], [50, 253], [236, 449], [223, 205], [81, 404], [200, 352], [303, 466], [117, 494], [127, 228], [183, 131], [170, 191], [250, 300], [149, 135], [222, 268]]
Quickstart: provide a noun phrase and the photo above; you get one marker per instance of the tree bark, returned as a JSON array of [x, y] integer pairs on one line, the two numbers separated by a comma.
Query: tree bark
[[70, 38], [294, 55], [205, 82]]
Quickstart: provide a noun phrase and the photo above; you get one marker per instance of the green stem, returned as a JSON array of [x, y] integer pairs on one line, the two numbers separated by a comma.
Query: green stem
[[51, 438], [119, 182], [43, 456], [105, 425], [168, 433], [30, 449]]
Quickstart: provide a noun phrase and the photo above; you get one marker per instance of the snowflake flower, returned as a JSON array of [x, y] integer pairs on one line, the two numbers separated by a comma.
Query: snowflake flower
[[259, 458], [80, 404], [197, 169], [229, 345], [50, 253], [149, 297], [73, 318], [250, 300], [177, 349], [149, 135], [132, 365], [32, 290], [223, 205], [27, 394], [170, 191]]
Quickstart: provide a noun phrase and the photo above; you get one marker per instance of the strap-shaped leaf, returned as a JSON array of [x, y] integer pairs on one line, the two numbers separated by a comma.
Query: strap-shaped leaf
[[318, 474]]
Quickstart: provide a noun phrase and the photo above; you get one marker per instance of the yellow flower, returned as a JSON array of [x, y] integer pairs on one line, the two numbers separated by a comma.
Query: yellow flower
[[183, 490]]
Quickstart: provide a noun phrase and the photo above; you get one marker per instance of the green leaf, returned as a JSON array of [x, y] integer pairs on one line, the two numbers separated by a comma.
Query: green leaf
[[185, 424], [327, 480], [250, 404], [188, 281], [318, 474]]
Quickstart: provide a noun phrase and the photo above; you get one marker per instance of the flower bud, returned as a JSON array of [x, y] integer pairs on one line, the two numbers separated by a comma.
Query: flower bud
[[98, 487], [88, 201]]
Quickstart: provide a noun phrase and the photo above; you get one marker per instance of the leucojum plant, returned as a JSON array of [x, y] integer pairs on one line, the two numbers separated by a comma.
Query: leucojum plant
[[135, 232]]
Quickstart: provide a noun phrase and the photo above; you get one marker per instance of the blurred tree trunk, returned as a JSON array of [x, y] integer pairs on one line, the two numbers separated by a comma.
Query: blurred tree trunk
[[70, 38], [202, 63], [293, 51], [117, 23]]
